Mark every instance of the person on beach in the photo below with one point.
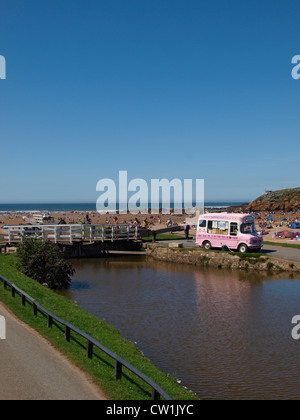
(87, 220)
(187, 231)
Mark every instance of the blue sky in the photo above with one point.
(160, 88)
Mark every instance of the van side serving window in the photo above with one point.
(218, 227)
(202, 223)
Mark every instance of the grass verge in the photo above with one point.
(163, 237)
(241, 255)
(101, 367)
(296, 246)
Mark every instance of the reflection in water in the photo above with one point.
(225, 334)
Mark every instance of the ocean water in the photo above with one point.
(82, 207)
(50, 207)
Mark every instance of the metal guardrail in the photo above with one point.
(157, 391)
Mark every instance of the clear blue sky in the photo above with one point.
(160, 88)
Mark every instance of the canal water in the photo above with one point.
(223, 334)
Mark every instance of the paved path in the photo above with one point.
(290, 254)
(30, 369)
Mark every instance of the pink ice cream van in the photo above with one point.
(236, 231)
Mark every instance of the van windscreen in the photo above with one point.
(248, 228)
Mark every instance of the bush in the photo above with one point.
(45, 263)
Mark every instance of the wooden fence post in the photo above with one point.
(89, 349)
(50, 321)
(118, 370)
(68, 334)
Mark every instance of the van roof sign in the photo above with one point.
(246, 218)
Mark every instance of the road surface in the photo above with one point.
(290, 254)
(30, 369)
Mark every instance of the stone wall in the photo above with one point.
(221, 260)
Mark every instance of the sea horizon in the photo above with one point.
(90, 207)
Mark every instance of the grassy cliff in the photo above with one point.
(285, 200)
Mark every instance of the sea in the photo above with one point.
(85, 207)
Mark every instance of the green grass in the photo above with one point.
(163, 237)
(101, 367)
(246, 255)
(296, 246)
(242, 255)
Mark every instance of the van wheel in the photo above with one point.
(207, 245)
(243, 248)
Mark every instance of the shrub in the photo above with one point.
(45, 263)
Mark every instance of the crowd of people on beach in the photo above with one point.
(141, 220)
(282, 225)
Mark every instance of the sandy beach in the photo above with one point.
(152, 221)
(155, 222)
